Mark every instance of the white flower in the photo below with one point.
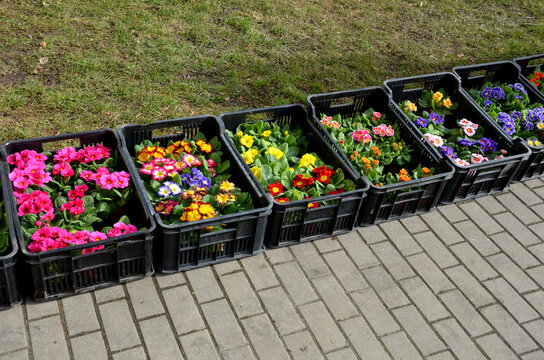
(461, 162)
(469, 130)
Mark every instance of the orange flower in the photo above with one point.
(425, 170)
(403, 172)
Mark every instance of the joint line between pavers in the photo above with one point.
(65, 329)
(101, 324)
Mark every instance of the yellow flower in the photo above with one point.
(540, 126)
(307, 160)
(249, 156)
(221, 199)
(530, 142)
(239, 133)
(276, 152)
(226, 186)
(447, 103)
(206, 209)
(538, 143)
(193, 215)
(257, 172)
(286, 133)
(410, 106)
(291, 169)
(437, 96)
(266, 133)
(247, 140)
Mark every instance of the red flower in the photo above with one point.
(323, 178)
(275, 189)
(282, 200)
(302, 180)
(339, 191)
(312, 205)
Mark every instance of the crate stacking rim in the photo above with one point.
(61, 272)
(474, 180)
(292, 222)
(185, 246)
(393, 201)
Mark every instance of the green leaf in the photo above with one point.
(124, 219)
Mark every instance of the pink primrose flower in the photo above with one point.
(147, 168)
(107, 182)
(191, 160)
(86, 175)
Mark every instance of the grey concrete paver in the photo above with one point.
(264, 339)
(80, 314)
(281, 310)
(89, 347)
(199, 346)
(302, 347)
(12, 330)
(120, 329)
(259, 272)
(47, 338)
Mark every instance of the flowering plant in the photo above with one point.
(375, 147)
(537, 78)
(465, 144)
(188, 181)
(278, 157)
(510, 106)
(71, 197)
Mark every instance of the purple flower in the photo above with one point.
(516, 115)
(504, 118)
(487, 144)
(518, 87)
(487, 104)
(498, 93)
(528, 125)
(465, 142)
(447, 151)
(487, 93)
(437, 119)
(534, 115)
(509, 128)
(421, 122)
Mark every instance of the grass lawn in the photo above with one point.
(70, 65)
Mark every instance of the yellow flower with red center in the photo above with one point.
(275, 189)
(403, 172)
(206, 209)
(405, 178)
(425, 170)
(437, 96)
(226, 186)
(176, 148)
(447, 103)
(150, 152)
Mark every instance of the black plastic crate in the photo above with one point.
(61, 272)
(475, 76)
(294, 222)
(393, 201)
(185, 246)
(476, 179)
(9, 293)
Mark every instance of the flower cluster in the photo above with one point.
(511, 107)
(187, 180)
(374, 146)
(105, 179)
(537, 79)
(465, 143)
(362, 135)
(38, 178)
(53, 237)
(279, 158)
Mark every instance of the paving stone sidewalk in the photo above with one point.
(463, 282)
